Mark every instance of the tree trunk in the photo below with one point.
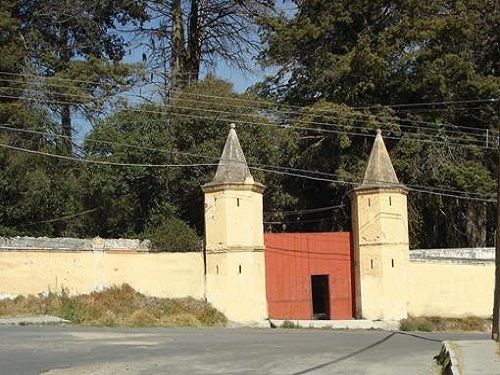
(66, 108)
(475, 224)
(194, 40)
(66, 127)
(177, 63)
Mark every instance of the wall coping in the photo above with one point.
(377, 189)
(458, 255)
(68, 244)
(213, 187)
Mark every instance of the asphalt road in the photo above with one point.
(72, 350)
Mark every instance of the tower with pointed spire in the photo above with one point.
(234, 237)
(381, 244)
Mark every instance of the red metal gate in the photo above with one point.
(291, 260)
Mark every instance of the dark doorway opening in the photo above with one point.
(320, 297)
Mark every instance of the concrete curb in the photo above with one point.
(252, 324)
(449, 360)
(336, 324)
(33, 320)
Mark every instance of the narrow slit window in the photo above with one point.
(239, 268)
(392, 262)
(217, 269)
(390, 201)
(237, 202)
(369, 202)
(371, 263)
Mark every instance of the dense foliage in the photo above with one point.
(366, 53)
(339, 67)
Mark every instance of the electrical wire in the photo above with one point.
(298, 221)
(490, 100)
(103, 162)
(304, 211)
(60, 218)
(254, 166)
(335, 114)
(425, 104)
(301, 128)
(350, 117)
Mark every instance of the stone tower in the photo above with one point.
(235, 266)
(381, 245)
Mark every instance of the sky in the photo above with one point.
(241, 80)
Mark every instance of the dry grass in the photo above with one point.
(117, 306)
(429, 324)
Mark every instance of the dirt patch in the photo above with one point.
(117, 306)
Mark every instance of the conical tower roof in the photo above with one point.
(380, 171)
(232, 168)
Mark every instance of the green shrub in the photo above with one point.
(173, 235)
(289, 324)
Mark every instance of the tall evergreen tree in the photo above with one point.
(365, 53)
(75, 43)
(185, 34)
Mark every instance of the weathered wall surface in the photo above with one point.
(451, 282)
(442, 282)
(233, 219)
(32, 271)
(236, 285)
(235, 280)
(380, 233)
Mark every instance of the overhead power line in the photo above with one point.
(425, 104)
(300, 128)
(325, 176)
(62, 218)
(395, 105)
(267, 103)
(298, 221)
(304, 211)
(422, 125)
(336, 115)
(254, 168)
(104, 162)
(8, 127)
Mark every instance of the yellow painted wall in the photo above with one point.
(451, 289)
(233, 218)
(235, 241)
(155, 274)
(381, 252)
(236, 285)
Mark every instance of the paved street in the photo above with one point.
(70, 350)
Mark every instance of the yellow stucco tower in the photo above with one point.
(381, 245)
(235, 265)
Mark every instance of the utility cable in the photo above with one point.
(304, 211)
(60, 218)
(349, 117)
(255, 166)
(103, 162)
(490, 100)
(301, 128)
(431, 126)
